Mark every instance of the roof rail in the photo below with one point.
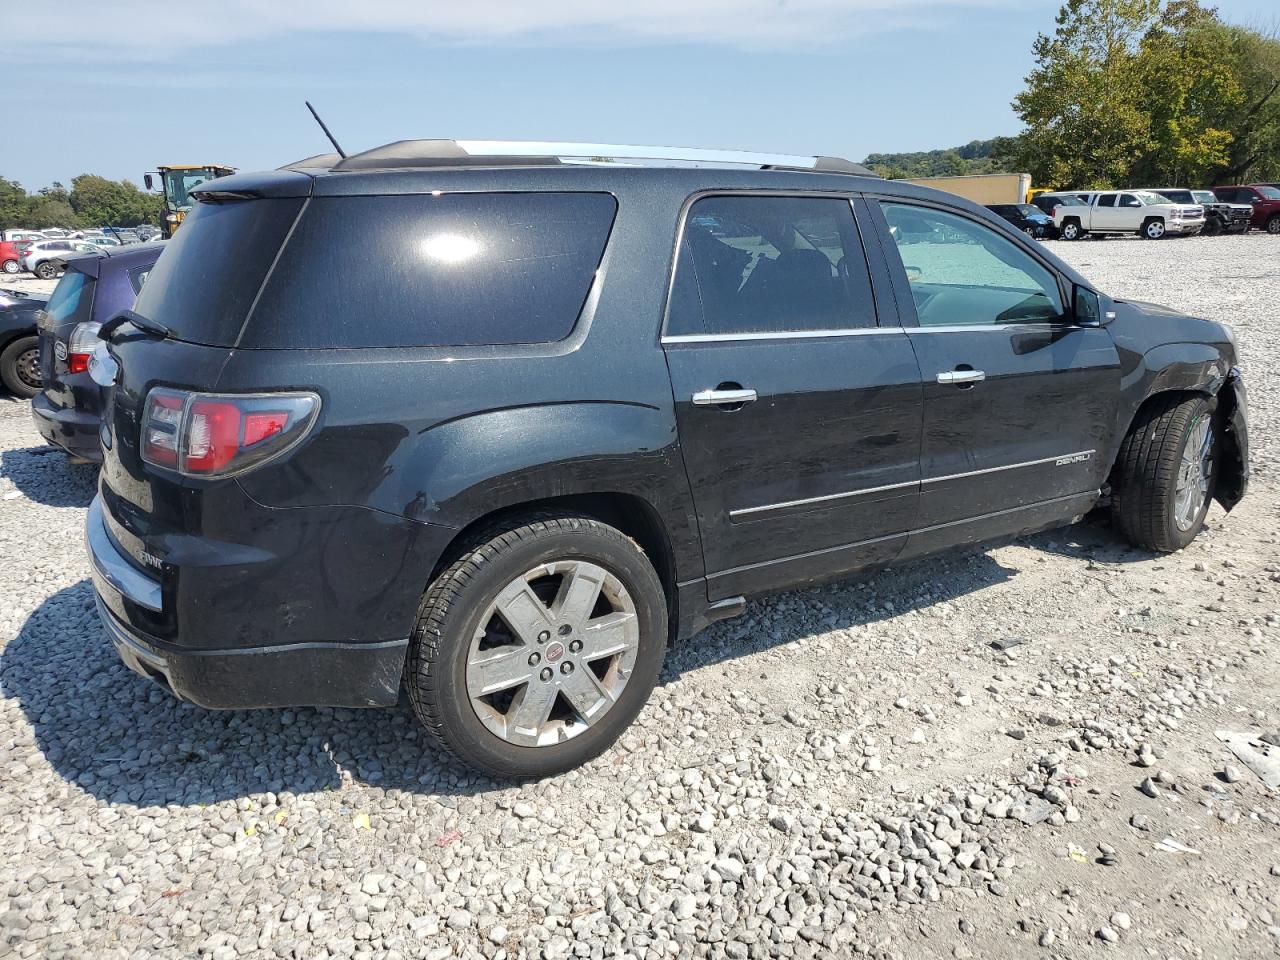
(452, 153)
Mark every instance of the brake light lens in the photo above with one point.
(220, 435)
(84, 337)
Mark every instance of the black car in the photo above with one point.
(554, 416)
(19, 348)
(1027, 217)
(1219, 216)
(68, 410)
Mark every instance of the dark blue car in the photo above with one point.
(1027, 217)
(68, 410)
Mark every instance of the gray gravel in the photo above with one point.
(950, 759)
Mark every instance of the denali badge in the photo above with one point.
(1074, 458)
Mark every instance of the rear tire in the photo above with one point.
(20, 367)
(463, 647)
(1071, 230)
(11, 266)
(1150, 505)
(46, 270)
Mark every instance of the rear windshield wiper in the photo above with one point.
(152, 327)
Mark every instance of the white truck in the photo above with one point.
(1143, 212)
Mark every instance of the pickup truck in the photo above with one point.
(1143, 212)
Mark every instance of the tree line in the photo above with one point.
(92, 201)
(1128, 93)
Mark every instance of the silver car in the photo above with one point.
(44, 258)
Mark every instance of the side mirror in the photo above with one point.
(1086, 308)
(146, 178)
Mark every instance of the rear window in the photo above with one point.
(72, 300)
(203, 286)
(453, 270)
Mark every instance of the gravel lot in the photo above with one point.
(850, 770)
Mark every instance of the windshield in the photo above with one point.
(1028, 210)
(178, 185)
(1204, 196)
(1271, 193)
(1069, 202)
(1150, 199)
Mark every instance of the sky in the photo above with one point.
(116, 87)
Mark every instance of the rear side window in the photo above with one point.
(464, 269)
(203, 286)
(138, 276)
(769, 265)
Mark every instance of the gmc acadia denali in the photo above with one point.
(495, 427)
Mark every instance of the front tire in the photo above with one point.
(20, 367)
(1153, 229)
(537, 646)
(1164, 478)
(1273, 224)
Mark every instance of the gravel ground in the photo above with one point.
(859, 769)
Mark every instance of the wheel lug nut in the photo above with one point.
(546, 674)
(534, 658)
(575, 646)
(566, 668)
(544, 636)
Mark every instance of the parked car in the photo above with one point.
(68, 409)
(606, 405)
(11, 252)
(20, 234)
(1219, 217)
(46, 258)
(1048, 202)
(101, 241)
(1262, 198)
(19, 353)
(1027, 217)
(1147, 214)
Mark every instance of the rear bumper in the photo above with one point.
(284, 675)
(75, 431)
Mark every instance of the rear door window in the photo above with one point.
(72, 300)
(751, 265)
(462, 269)
(1107, 200)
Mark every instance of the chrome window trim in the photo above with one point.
(776, 335)
(827, 498)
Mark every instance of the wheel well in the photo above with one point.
(1158, 398)
(633, 515)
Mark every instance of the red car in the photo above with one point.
(1265, 199)
(11, 254)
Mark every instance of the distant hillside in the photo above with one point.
(976, 156)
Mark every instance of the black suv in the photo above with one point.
(498, 428)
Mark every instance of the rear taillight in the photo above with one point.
(221, 434)
(84, 337)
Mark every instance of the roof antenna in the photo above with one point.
(342, 153)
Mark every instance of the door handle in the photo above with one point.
(962, 376)
(722, 398)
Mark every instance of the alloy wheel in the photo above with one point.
(1194, 472)
(1155, 230)
(552, 653)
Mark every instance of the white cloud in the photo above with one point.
(145, 29)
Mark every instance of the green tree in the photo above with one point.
(99, 201)
(1086, 118)
(1192, 87)
(14, 204)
